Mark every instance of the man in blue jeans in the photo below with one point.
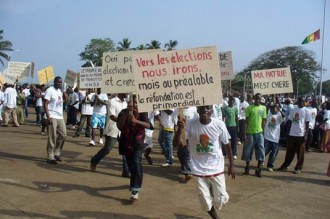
(255, 122)
(167, 121)
(272, 133)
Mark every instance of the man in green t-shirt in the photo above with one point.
(255, 121)
(230, 116)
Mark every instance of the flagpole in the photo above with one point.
(323, 30)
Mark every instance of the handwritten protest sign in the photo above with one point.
(117, 71)
(177, 78)
(91, 77)
(272, 81)
(45, 75)
(70, 77)
(10, 79)
(226, 66)
(19, 70)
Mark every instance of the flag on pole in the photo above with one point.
(312, 37)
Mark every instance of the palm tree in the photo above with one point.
(5, 45)
(124, 45)
(154, 44)
(141, 47)
(171, 45)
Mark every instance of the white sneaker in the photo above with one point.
(134, 196)
(239, 142)
(270, 169)
(101, 141)
(166, 165)
(92, 143)
(235, 157)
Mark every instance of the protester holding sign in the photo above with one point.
(132, 125)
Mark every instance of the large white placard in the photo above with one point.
(17, 71)
(177, 78)
(117, 72)
(272, 81)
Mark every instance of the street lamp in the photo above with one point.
(11, 52)
(298, 87)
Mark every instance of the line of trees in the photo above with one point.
(94, 50)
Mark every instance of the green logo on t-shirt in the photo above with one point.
(205, 145)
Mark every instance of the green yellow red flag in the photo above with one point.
(312, 37)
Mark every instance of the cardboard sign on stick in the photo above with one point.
(177, 78)
(226, 66)
(272, 81)
(45, 75)
(70, 77)
(19, 70)
(90, 77)
(117, 72)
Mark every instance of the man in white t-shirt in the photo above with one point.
(272, 133)
(10, 105)
(148, 136)
(99, 103)
(299, 123)
(26, 92)
(86, 113)
(73, 109)
(115, 105)
(167, 122)
(207, 162)
(53, 107)
(241, 118)
(313, 111)
(2, 99)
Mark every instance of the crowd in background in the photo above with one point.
(260, 123)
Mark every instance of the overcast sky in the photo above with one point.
(54, 32)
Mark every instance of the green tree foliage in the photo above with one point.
(94, 51)
(124, 45)
(5, 46)
(154, 44)
(301, 61)
(141, 47)
(325, 88)
(171, 45)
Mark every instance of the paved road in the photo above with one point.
(31, 188)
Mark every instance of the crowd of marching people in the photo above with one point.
(203, 136)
